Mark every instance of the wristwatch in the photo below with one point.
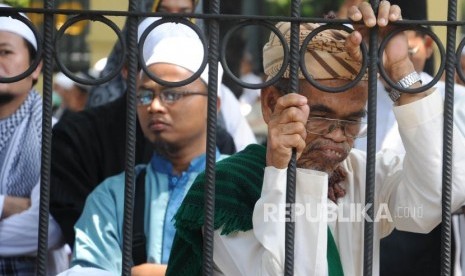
(405, 82)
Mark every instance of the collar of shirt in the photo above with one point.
(162, 165)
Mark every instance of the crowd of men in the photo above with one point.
(88, 158)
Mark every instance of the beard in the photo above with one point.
(6, 98)
(313, 158)
(164, 148)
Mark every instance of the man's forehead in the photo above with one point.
(11, 39)
(177, 3)
(359, 87)
(338, 111)
(10, 34)
(344, 103)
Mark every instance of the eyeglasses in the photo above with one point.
(323, 126)
(168, 97)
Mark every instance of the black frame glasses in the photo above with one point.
(166, 97)
(323, 126)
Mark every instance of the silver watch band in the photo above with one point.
(409, 80)
(405, 82)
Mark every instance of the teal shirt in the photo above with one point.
(99, 232)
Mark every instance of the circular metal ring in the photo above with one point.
(458, 57)
(38, 56)
(424, 87)
(283, 41)
(303, 50)
(105, 21)
(155, 78)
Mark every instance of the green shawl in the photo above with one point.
(239, 180)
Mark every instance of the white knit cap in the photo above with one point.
(63, 81)
(15, 26)
(160, 32)
(176, 44)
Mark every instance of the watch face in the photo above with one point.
(394, 95)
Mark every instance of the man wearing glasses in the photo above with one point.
(174, 120)
(250, 186)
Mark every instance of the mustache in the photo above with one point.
(311, 160)
(324, 143)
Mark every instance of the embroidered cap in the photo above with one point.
(326, 57)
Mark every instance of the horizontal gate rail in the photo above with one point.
(450, 64)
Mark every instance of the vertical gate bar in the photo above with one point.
(47, 59)
(371, 146)
(129, 188)
(213, 81)
(291, 169)
(447, 143)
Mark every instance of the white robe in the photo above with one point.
(406, 190)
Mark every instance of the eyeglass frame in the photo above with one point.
(339, 123)
(162, 96)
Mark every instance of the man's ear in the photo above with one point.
(124, 71)
(269, 96)
(218, 104)
(429, 43)
(36, 73)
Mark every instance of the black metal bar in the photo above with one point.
(371, 147)
(213, 81)
(291, 169)
(46, 153)
(447, 144)
(224, 16)
(129, 188)
(214, 17)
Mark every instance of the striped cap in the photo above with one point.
(325, 58)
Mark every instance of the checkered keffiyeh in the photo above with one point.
(326, 57)
(20, 144)
(17, 266)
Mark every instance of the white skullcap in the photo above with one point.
(160, 32)
(15, 26)
(176, 44)
(63, 81)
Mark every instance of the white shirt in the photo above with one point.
(392, 139)
(236, 124)
(19, 233)
(384, 119)
(393, 142)
(19, 236)
(249, 95)
(412, 184)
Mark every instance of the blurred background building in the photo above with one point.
(87, 44)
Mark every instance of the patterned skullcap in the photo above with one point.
(326, 57)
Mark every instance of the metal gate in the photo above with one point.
(46, 52)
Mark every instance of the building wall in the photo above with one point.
(101, 38)
(437, 10)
